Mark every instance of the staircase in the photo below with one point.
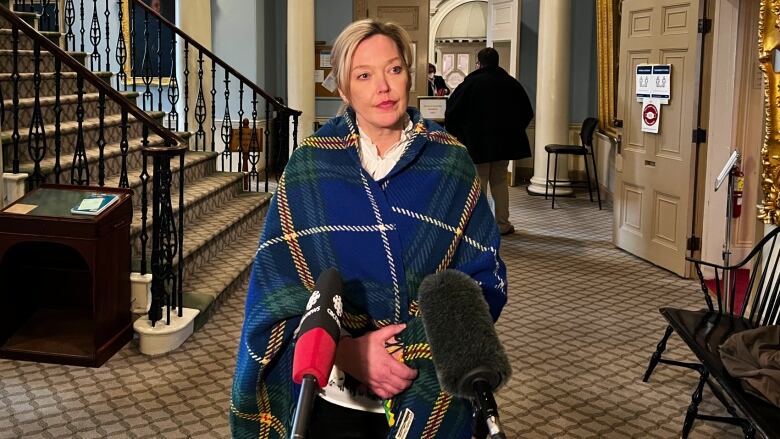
(222, 220)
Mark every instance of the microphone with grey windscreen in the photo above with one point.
(467, 354)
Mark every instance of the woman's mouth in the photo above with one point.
(386, 105)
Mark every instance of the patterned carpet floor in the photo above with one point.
(580, 324)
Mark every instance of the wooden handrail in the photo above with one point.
(217, 59)
(101, 85)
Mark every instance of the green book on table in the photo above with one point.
(94, 204)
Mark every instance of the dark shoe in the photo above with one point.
(508, 231)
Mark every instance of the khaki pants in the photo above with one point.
(494, 174)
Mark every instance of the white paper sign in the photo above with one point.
(644, 83)
(325, 60)
(662, 82)
(319, 75)
(651, 115)
(432, 107)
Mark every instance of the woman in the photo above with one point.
(387, 198)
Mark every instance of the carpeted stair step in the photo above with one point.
(212, 233)
(200, 197)
(30, 18)
(112, 162)
(197, 164)
(112, 133)
(25, 42)
(68, 104)
(225, 270)
(26, 61)
(48, 84)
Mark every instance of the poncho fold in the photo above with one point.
(428, 214)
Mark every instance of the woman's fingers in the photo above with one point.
(372, 364)
(388, 332)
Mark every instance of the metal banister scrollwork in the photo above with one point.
(768, 45)
(167, 233)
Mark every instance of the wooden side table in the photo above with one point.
(65, 278)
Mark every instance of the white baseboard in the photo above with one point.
(163, 338)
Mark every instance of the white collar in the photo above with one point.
(379, 167)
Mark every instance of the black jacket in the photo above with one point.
(438, 82)
(489, 112)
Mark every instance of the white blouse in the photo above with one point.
(378, 167)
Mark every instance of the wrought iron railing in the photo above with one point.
(144, 56)
(143, 52)
(46, 56)
(240, 149)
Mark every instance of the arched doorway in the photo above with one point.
(459, 31)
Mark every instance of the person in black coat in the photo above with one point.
(436, 84)
(489, 112)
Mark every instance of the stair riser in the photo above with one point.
(220, 242)
(112, 167)
(112, 134)
(69, 107)
(238, 284)
(191, 212)
(28, 18)
(26, 62)
(48, 86)
(25, 42)
(192, 172)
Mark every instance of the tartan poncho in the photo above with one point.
(385, 236)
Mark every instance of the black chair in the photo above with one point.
(585, 150)
(753, 301)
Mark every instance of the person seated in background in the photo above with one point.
(387, 198)
(436, 84)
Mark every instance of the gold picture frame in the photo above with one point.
(127, 67)
(607, 43)
(768, 46)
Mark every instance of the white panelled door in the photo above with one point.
(655, 182)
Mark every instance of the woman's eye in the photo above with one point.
(397, 69)
(362, 76)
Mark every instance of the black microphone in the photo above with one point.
(469, 359)
(315, 350)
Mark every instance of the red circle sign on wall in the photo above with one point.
(650, 115)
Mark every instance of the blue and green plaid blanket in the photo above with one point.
(384, 237)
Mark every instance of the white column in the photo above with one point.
(552, 89)
(300, 64)
(194, 18)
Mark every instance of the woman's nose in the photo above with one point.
(382, 84)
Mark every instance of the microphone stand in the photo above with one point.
(486, 406)
(304, 408)
(727, 172)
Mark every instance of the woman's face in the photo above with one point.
(378, 85)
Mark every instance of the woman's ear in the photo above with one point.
(343, 97)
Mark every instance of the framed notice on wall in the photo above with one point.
(322, 68)
(432, 107)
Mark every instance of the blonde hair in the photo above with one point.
(354, 34)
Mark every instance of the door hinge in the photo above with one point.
(699, 135)
(705, 25)
(694, 244)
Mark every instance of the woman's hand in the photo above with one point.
(367, 359)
